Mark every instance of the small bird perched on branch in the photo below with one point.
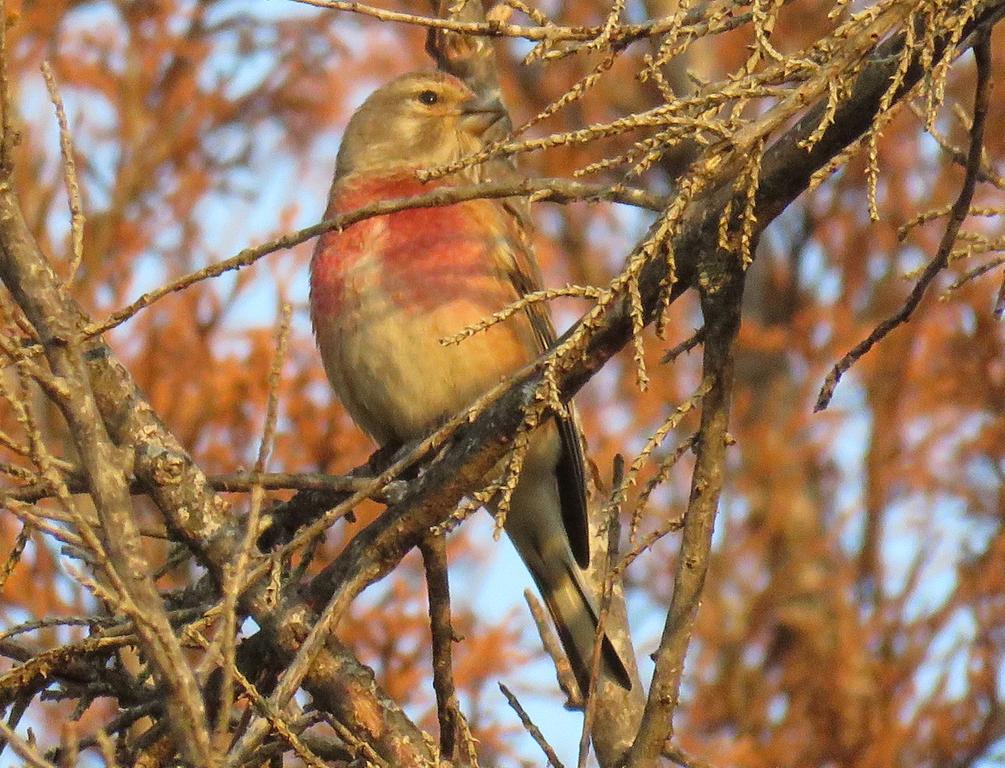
(386, 290)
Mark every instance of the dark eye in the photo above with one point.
(428, 97)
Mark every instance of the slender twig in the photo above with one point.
(961, 207)
(69, 173)
(619, 35)
(22, 748)
(8, 136)
(552, 190)
(976, 272)
(15, 553)
(235, 575)
(683, 759)
(17, 710)
(533, 730)
(235, 482)
(685, 346)
(356, 746)
(488, 29)
(563, 669)
(106, 747)
(987, 174)
(611, 524)
(69, 745)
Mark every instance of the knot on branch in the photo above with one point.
(166, 467)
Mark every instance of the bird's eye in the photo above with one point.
(428, 97)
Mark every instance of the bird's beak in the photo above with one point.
(480, 113)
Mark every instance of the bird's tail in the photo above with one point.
(575, 617)
(539, 530)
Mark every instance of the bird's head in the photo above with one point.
(419, 119)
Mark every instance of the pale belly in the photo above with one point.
(394, 377)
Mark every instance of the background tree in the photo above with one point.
(853, 611)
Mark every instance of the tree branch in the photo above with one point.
(721, 309)
(959, 212)
(551, 190)
(434, 558)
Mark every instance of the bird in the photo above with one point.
(384, 291)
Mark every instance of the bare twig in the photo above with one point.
(563, 669)
(977, 272)
(533, 730)
(15, 554)
(956, 217)
(235, 482)
(488, 29)
(8, 137)
(613, 529)
(69, 172)
(987, 174)
(553, 190)
(684, 759)
(235, 576)
(618, 35)
(23, 749)
(685, 346)
(69, 750)
(17, 710)
(107, 748)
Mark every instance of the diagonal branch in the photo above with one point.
(531, 728)
(553, 190)
(959, 212)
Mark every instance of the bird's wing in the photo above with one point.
(523, 272)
